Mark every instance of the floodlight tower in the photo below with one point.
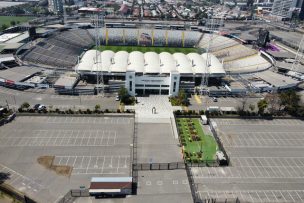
(299, 56)
(205, 76)
(99, 21)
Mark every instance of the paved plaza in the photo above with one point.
(92, 146)
(267, 162)
(164, 109)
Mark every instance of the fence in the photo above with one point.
(159, 166)
(8, 119)
(218, 141)
(15, 194)
(134, 158)
(73, 194)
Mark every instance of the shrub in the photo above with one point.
(20, 110)
(25, 105)
(118, 111)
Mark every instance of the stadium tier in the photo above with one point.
(145, 37)
(60, 50)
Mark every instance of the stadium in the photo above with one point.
(145, 61)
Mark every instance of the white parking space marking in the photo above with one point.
(95, 164)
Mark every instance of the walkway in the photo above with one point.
(164, 109)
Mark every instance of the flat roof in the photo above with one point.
(68, 79)
(111, 179)
(281, 54)
(276, 79)
(288, 66)
(6, 57)
(7, 36)
(18, 73)
(5, 4)
(19, 38)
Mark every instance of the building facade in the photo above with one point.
(284, 8)
(55, 6)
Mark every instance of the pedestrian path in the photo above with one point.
(163, 109)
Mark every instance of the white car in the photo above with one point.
(40, 107)
(117, 98)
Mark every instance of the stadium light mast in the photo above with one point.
(299, 56)
(205, 76)
(99, 19)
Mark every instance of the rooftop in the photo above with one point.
(19, 73)
(150, 62)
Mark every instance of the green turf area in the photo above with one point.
(7, 19)
(147, 49)
(198, 146)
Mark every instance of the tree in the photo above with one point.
(262, 105)
(243, 102)
(290, 101)
(252, 107)
(13, 23)
(4, 27)
(123, 94)
(97, 107)
(25, 105)
(273, 101)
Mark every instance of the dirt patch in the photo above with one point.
(47, 162)
(62, 170)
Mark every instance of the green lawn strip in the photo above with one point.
(7, 19)
(207, 143)
(148, 49)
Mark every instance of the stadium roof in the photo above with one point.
(150, 62)
(19, 73)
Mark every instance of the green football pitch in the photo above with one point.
(7, 19)
(147, 49)
(197, 145)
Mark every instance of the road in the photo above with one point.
(15, 98)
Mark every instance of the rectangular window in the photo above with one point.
(165, 86)
(130, 86)
(138, 85)
(152, 85)
(174, 86)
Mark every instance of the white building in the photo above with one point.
(56, 6)
(150, 73)
(284, 8)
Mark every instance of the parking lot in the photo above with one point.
(92, 146)
(267, 162)
(198, 103)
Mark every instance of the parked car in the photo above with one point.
(214, 99)
(39, 107)
(117, 98)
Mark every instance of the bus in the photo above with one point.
(114, 25)
(194, 28)
(177, 27)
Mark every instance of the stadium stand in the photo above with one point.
(218, 42)
(249, 64)
(134, 37)
(60, 50)
(235, 52)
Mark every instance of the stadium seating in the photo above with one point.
(60, 50)
(254, 63)
(233, 53)
(218, 42)
(129, 37)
